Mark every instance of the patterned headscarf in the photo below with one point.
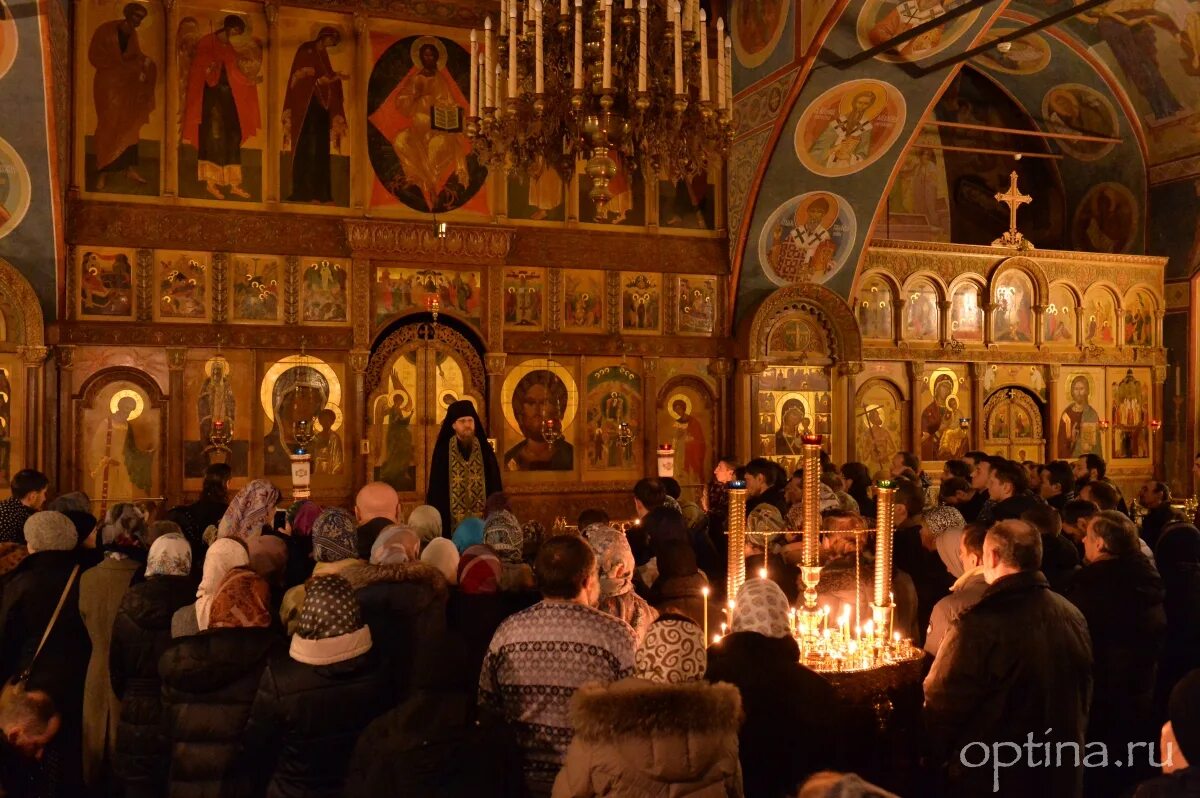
(335, 536)
(502, 532)
(426, 520)
(223, 556)
(441, 554)
(390, 548)
(468, 534)
(672, 652)
(331, 628)
(479, 571)
(761, 607)
(242, 602)
(170, 555)
(302, 515)
(612, 549)
(940, 520)
(250, 510)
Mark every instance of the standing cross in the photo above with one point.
(1014, 199)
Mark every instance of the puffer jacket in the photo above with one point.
(641, 739)
(141, 633)
(209, 683)
(307, 718)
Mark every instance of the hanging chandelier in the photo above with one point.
(618, 88)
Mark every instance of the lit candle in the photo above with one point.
(729, 74)
(696, 17)
(687, 14)
(513, 22)
(704, 592)
(642, 48)
(489, 88)
(577, 76)
(474, 73)
(503, 14)
(628, 4)
(538, 60)
(703, 56)
(678, 47)
(607, 74)
(720, 63)
(563, 9)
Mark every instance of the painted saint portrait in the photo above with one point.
(696, 304)
(121, 438)
(541, 409)
(15, 189)
(686, 421)
(1099, 318)
(393, 417)
(8, 39)
(401, 290)
(257, 288)
(881, 21)
(795, 421)
(641, 302)
(583, 301)
(1106, 219)
(314, 125)
(878, 427)
(1079, 424)
(1131, 416)
(1139, 319)
(849, 127)
(756, 27)
(921, 314)
(966, 313)
(687, 204)
(1074, 109)
(324, 292)
(124, 91)
(7, 442)
(217, 417)
(918, 205)
(524, 298)
(220, 109)
(942, 436)
(106, 284)
(875, 309)
(614, 409)
(182, 285)
(302, 393)
(1027, 55)
(1012, 314)
(807, 239)
(418, 146)
(1059, 317)
(538, 194)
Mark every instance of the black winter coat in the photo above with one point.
(141, 633)
(306, 720)
(1180, 784)
(1015, 506)
(789, 709)
(209, 683)
(1060, 561)
(1018, 661)
(928, 572)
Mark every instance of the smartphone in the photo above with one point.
(280, 520)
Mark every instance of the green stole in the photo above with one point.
(468, 483)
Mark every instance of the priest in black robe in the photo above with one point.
(463, 471)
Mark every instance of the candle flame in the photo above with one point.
(704, 591)
(762, 573)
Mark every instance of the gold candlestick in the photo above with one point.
(885, 524)
(737, 539)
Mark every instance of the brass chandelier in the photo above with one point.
(615, 87)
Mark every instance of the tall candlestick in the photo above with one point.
(474, 74)
(720, 63)
(678, 40)
(489, 86)
(642, 18)
(884, 530)
(729, 74)
(736, 572)
(703, 57)
(538, 60)
(577, 72)
(607, 73)
(811, 451)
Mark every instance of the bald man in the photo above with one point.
(376, 506)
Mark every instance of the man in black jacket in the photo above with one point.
(1008, 487)
(1092, 468)
(1156, 498)
(995, 682)
(1121, 595)
(1058, 484)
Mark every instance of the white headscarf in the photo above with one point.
(426, 521)
(442, 554)
(761, 607)
(224, 555)
(170, 555)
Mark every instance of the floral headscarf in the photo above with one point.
(335, 537)
(250, 510)
(502, 532)
(426, 521)
(223, 556)
(170, 555)
(672, 652)
(479, 571)
(612, 549)
(391, 548)
(761, 607)
(242, 602)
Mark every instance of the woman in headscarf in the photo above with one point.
(662, 732)
(141, 633)
(469, 533)
(210, 680)
(791, 712)
(427, 522)
(101, 589)
(966, 591)
(300, 519)
(771, 551)
(397, 543)
(313, 703)
(680, 585)
(614, 559)
(251, 510)
(441, 554)
(335, 548)
(223, 556)
(502, 531)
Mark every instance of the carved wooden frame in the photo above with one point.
(831, 311)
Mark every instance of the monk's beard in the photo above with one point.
(464, 442)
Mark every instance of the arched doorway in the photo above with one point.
(416, 371)
(1013, 425)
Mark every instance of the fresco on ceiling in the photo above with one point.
(882, 20)
(918, 206)
(756, 27)
(849, 127)
(1106, 219)
(1026, 56)
(807, 239)
(15, 189)
(8, 39)
(1169, 203)
(416, 107)
(1074, 109)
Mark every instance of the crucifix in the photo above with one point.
(1014, 199)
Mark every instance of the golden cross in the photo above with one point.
(1014, 199)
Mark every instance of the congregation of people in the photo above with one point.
(242, 645)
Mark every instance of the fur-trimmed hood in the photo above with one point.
(636, 707)
(360, 576)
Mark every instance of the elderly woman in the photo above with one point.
(427, 522)
(662, 732)
(789, 709)
(223, 556)
(614, 558)
(335, 548)
(251, 509)
(502, 531)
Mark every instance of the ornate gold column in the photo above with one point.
(1157, 448)
(746, 411)
(493, 363)
(649, 413)
(944, 331)
(169, 157)
(978, 372)
(1054, 372)
(64, 356)
(898, 319)
(988, 308)
(1079, 326)
(720, 368)
(356, 421)
(1039, 325)
(270, 167)
(916, 374)
(845, 378)
(35, 361)
(360, 165)
(176, 360)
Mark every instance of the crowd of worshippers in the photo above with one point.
(239, 646)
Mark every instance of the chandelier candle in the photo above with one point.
(512, 52)
(539, 59)
(474, 74)
(489, 88)
(729, 75)
(720, 64)
(607, 73)
(703, 56)
(678, 44)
